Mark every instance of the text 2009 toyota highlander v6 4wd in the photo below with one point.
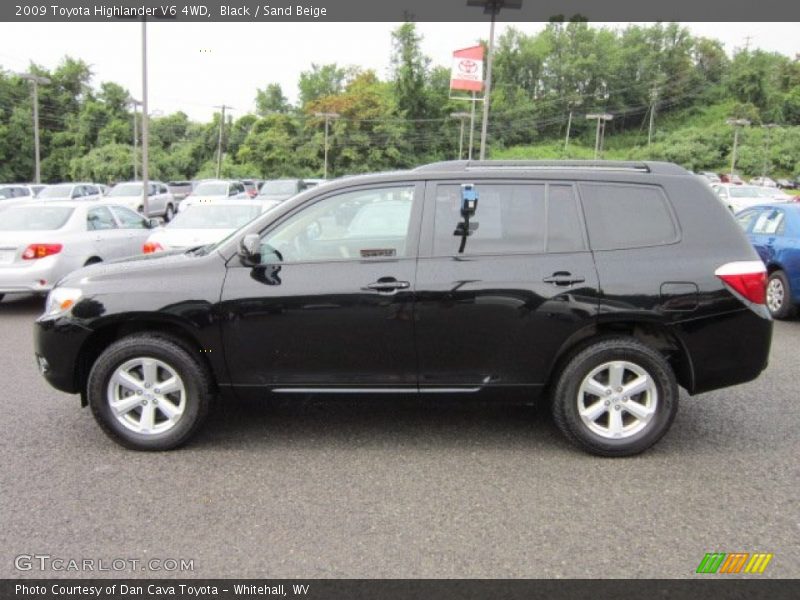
(601, 287)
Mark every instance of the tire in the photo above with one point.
(164, 358)
(615, 430)
(779, 296)
(169, 213)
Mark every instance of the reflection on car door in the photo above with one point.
(329, 308)
(497, 313)
(768, 226)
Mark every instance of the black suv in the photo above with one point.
(598, 286)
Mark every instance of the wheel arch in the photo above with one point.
(653, 334)
(111, 331)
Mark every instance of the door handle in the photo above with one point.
(388, 285)
(563, 278)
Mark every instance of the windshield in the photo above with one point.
(279, 187)
(34, 218)
(214, 216)
(126, 189)
(211, 189)
(56, 191)
(744, 191)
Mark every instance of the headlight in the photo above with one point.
(61, 300)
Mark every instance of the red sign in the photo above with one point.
(466, 72)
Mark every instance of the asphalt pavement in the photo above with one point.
(379, 487)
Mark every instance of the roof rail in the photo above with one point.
(600, 165)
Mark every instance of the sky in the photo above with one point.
(194, 66)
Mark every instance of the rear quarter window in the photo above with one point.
(620, 216)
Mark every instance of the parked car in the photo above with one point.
(731, 178)
(103, 188)
(711, 177)
(598, 288)
(22, 191)
(787, 184)
(312, 182)
(774, 231)
(281, 189)
(41, 242)
(70, 191)
(214, 190)
(160, 202)
(203, 224)
(739, 197)
(252, 186)
(180, 189)
(763, 181)
(775, 194)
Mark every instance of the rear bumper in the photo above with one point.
(39, 276)
(726, 349)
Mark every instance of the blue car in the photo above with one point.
(774, 231)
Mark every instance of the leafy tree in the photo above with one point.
(271, 100)
(320, 81)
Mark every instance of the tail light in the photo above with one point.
(150, 247)
(747, 278)
(35, 251)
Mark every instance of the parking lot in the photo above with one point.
(405, 489)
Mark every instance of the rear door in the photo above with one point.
(109, 241)
(496, 314)
(767, 228)
(135, 227)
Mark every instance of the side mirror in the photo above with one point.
(153, 223)
(250, 250)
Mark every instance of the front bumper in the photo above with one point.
(57, 344)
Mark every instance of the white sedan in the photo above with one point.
(41, 242)
(203, 224)
(215, 190)
(739, 197)
(160, 201)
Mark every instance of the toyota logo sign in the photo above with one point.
(468, 66)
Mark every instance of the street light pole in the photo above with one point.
(328, 116)
(36, 79)
(460, 116)
(145, 127)
(736, 124)
(492, 7)
(219, 139)
(135, 103)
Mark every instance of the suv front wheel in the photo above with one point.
(617, 397)
(149, 392)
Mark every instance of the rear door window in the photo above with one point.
(511, 218)
(770, 222)
(620, 216)
(100, 218)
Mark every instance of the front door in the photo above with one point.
(330, 306)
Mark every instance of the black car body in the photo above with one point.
(369, 285)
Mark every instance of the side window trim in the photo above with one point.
(415, 220)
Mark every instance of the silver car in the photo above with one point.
(160, 201)
(41, 242)
(204, 224)
(70, 191)
(214, 190)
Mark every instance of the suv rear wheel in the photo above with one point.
(616, 397)
(169, 214)
(149, 392)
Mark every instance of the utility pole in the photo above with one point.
(492, 7)
(460, 116)
(598, 138)
(145, 128)
(766, 127)
(37, 80)
(134, 102)
(653, 99)
(571, 105)
(328, 116)
(219, 140)
(737, 123)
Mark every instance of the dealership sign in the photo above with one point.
(467, 70)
